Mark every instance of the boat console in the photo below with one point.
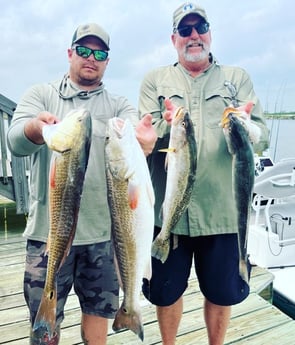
(271, 239)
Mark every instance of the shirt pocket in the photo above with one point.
(216, 100)
(175, 94)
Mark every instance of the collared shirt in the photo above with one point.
(59, 97)
(212, 208)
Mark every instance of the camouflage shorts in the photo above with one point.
(88, 268)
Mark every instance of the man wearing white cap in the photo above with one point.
(89, 267)
(207, 231)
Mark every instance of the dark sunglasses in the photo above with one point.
(85, 52)
(201, 28)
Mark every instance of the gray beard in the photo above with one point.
(195, 58)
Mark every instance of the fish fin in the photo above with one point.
(130, 320)
(243, 270)
(47, 249)
(52, 174)
(44, 324)
(160, 248)
(169, 149)
(133, 195)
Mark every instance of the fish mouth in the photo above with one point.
(228, 114)
(178, 116)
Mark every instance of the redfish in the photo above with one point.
(131, 201)
(70, 139)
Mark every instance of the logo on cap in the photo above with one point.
(188, 7)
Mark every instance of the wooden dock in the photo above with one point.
(255, 321)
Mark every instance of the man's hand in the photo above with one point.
(170, 110)
(33, 128)
(146, 134)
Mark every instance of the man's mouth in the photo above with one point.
(194, 44)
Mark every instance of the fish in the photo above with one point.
(239, 134)
(131, 203)
(181, 161)
(70, 140)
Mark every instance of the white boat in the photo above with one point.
(271, 239)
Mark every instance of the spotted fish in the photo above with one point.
(181, 163)
(240, 133)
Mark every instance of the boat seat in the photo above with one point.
(278, 181)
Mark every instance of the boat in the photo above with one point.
(271, 238)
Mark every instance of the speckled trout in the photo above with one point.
(181, 161)
(240, 133)
(131, 202)
(70, 142)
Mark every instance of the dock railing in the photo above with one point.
(13, 170)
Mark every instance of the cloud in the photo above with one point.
(258, 36)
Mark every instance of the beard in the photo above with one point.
(193, 57)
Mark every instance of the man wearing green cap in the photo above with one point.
(207, 231)
(89, 267)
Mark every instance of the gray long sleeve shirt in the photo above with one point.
(59, 97)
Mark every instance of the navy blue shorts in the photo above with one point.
(216, 260)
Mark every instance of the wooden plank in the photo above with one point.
(279, 335)
(255, 321)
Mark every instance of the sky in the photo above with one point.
(257, 35)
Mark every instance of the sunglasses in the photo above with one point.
(85, 52)
(201, 28)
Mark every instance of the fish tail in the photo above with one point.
(160, 248)
(44, 325)
(132, 321)
(243, 269)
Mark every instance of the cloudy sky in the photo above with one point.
(258, 35)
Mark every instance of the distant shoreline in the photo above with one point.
(280, 116)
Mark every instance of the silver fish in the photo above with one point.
(181, 162)
(234, 123)
(131, 201)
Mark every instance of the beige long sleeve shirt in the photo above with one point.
(212, 208)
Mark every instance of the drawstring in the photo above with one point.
(82, 94)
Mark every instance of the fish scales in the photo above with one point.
(131, 201)
(243, 172)
(181, 163)
(70, 140)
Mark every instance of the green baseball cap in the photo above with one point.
(186, 9)
(91, 29)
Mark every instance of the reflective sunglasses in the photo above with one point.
(201, 28)
(85, 52)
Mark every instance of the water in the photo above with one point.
(282, 139)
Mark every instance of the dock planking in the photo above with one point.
(255, 321)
